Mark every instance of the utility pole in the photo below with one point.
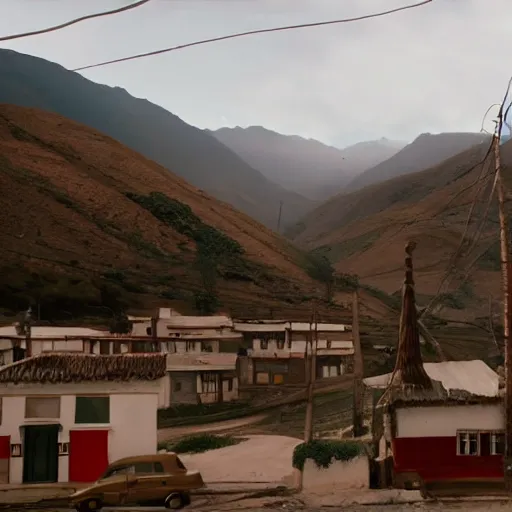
(308, 427)
(507, 320)
(357, 423)
(279, 216)
(28, 332)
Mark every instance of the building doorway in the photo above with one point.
(41, 454)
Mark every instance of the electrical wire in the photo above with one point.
(254, 32)
(75, 21)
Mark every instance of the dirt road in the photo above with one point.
(165, 434)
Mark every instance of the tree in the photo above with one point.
(320, 268)
(120, 324)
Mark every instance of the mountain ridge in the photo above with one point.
(147, 128)
(306, 166)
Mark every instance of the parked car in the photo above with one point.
(151, 480)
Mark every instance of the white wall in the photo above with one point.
(353, 474)
(133, 418)
(445, 421)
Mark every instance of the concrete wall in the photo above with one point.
(354, 474)
(133, 418)
(445, 421)
(183, 387)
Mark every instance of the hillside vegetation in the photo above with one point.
(150, 130)
(364, 232)
(88, 223)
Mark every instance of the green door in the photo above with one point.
(41, 454)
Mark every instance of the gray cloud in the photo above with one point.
(436, 68)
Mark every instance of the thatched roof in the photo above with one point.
(409, 370)
(66, 368)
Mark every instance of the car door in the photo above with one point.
(149, 484)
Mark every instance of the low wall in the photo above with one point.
(353, 474)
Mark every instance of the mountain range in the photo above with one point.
(150, 130)
(110, 199)
(305, 166)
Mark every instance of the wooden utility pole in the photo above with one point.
(357, 423)
(507, 320)
(308, 427)
(279, 216)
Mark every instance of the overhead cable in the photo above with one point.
(75, 21)
(254, 32)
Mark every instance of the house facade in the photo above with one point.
(202, 378)
(15, 347)
(451, 435)
(275, 352)
(65, 417)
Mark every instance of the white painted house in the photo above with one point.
(65, 417)
(13, 346)
(453, 433)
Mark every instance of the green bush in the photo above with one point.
(323, 452)
(202, 443)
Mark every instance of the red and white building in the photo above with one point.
(450, 435)
(64, 417)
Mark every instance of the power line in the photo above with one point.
(75, 21)
(253, 32)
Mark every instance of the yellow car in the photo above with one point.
(151, 480)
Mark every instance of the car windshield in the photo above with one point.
(117, 470)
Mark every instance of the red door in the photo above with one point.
(88, 455)
(5, 453)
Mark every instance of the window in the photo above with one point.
(480, 443)
(497, 443)
(206, 347)
(42, 407)
(118, 470)
(190, 346)
(280, 344)
(148, 331)
(158, 467)
(92, 409)
(263, 344)
(116, 347)
(179, 463)
(143, 467)
(328, 344)
(104, 347)
(229, 383)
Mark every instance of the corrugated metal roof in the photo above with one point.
(51, 331)
(475, 377)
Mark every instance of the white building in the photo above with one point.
(65, 417)
(454, 433)
(13, 346)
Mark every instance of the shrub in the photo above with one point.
(323, 452)
(202, 443)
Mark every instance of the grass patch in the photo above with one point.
(203, 443)
(325, 452)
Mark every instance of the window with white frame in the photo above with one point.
(480, 443)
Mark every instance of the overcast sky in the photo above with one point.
(432, 69)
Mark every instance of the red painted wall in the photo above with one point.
(435, 458)
(5, 447)
(88, 455)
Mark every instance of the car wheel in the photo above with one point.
(175, 501)
(90, 505)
